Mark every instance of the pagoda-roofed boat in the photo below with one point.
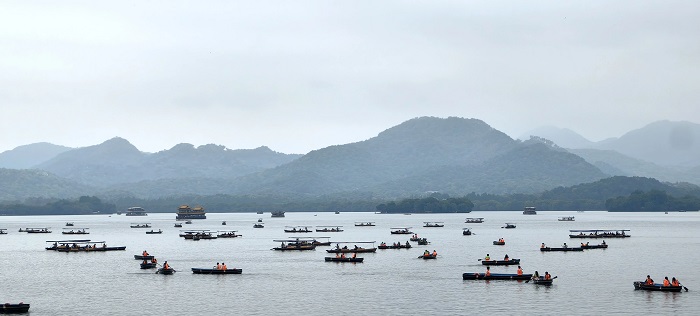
(3, 231)
(329, 229)
(36, 230)
(83, 246)
(343, 259)
(140, 225)
(639, 285)
(396, 245)
(297, 229)
(530, 210)
(509, 225)
(198, 234)
(75, 231)
(216, 271)
(500, 262)
(151, 232)
(566, 219)
(136, 211)
(148, 265)
(8, 308)
(354, 248)
(466, 231)
(433, 224)
(474, 220)
(298, 244)
(401, 230)
(495, 276)
(599, 233)
(184, 212)
(228, 234)
(363, 224)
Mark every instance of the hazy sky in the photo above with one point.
(302, 75)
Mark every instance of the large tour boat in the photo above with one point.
(136, 211)
(530, 210)
(185, 212)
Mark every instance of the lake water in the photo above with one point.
(389, 282)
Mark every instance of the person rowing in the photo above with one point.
(166, 266)
(434, 253)
(223, 266)
(487, 258)
(542, 246)
(536, 276)
(218, 266)
(506, 258)
(145, 253)
(674, 282)
(667, 282)
(488, 271)
(520, 270)
(649, 281)
(547, 276)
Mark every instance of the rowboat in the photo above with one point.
(334, 259)
(474, 220)
(148, 265)
(500, 262)
(600, 246)
(495, 276)
(215, 271)
(228, 234)
(154, 232)
(561, 249)
(297, 229)
(426, 257)
(542, 281)
(8, 308)
(423, 241)
(466, 232)
(75, 231)
(433, 224)
(140, 257)
(599, 233)
(165, 271)
(355, 249)
(499, 243)
(137, 225)
(295, 244)
(395, 246)
(401, 230)
(656, 287)
(364, 224)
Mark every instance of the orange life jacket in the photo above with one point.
(520, 271)
(666, 283)
(223, 267)
(675, 283)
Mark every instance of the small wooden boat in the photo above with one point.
(567, 219)
(165, 271)
(350, 250)
(599, 246)
(178, 225)
(433, 224)
(3, 231)
(500, 262)
(260, 220)
(145, 225)
(140, 257)
(499, 243)
(258, 225)
(70, 224)
(656, 287)
(297, 229)
(75, 231)
(509, 226)
(42, 230)
(426, 257)
(295, 247)
(423, 241)
(495, 276)
(466, 232)
(542, 281)
(215, 271)
(227, 234)
(599, 233)
(474, 220)
(329, 229)
(223, 223)
(401, 230)
(561, 249)
(395, 246)
(154, 232)
(8, 308)
(364, 224)
(148, 265)
(348, 259)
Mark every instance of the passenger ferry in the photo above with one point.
(185, 212)
(529, 210)
(136, 211)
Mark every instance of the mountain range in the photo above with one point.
(450, 155)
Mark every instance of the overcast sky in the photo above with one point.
(301, 75)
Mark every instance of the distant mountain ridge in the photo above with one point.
(28, 156)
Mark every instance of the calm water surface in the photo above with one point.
(389, 282)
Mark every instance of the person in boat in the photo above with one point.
(603, 242)
(154, 260)
(355, 247)
(144, 261)
(166, 266)
(223, 266)
(506, 258)
(520, 270)
(649, 281)
(218, 266)
(383, 244)
(674, 282)
(434, 253)
(542, 245)
(536, 276)
(345, 247)
(565, 246)
(547, 276)
(337, 254)
(582, 245)
(342, 255)
(667, 282)
(407, 244)
(501, 239)
(488, 271)
(426, 253)
(354, 255)
(282, 246)
(488, 257)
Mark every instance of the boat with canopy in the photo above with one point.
(75, 231)
(433, 224)
(355, 248)
(599, 233)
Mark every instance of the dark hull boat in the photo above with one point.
(8, 308)
(500, 262)
(656, 287)
(165, 271)
(499, 243)
(594, 246)
(148, 265)
(561, 249)
(427, 257)
(349, 250)
(542, 281)
(401, 232)
(215, 271)
(303, 247)
(467, 233)
(140, 257)
(333, 259)
(81, 249)
(495, 276)
(154, 232)
(395, 247)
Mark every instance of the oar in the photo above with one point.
(685, 288)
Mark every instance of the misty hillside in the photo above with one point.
(563, 137)
(17, 185)
(28, 156)
(116, 161)
(619, 186)
(454, 154)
